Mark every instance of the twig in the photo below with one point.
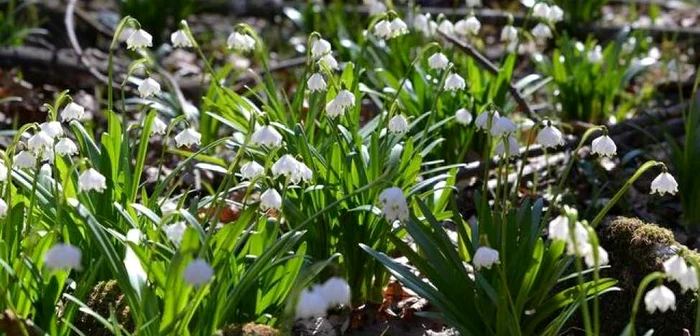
(485, 63)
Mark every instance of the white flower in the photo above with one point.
(148, 87)
(52, 128)
(424, 24)
(137, 275)
(541, 10)
(24, 159)
(660, 298)
(470, 26)
(72, 111)
(596, 55)
(91, 179)
(513, 147)
(175, 232)
(188, 137)
(454, 82)
(603, 260)
(382, 29)
(3, 208)
(398, 124)
(541, 31)
(63, 257)
(550, 136)
(335, 291)
(485, 257)
(527, 3)
(311, 304)
(603, 146)
(334, 109)
(394, 204)
(179, 39)
(559, 228)
(689, 280)
(303, 174)
(556, 14)
(375, 7)
(139, 39)
(482, 120)
(629, 45)
(240, 42)
(509, 34)
(438, 61)
(398, 27)
(664, 183)
(320, 47)
(40, 142)
(198, 272)
(501, 126)
(286, 165)
(267, 136)
(675, 268)
(251, 170)
(329, 61)
(346, 99)
(271, 199)
(3, 171)
(316, 83)
(158, 126)
(446, 27)
(578, 242)
(66, 146)
(463, 116)
(473, 3)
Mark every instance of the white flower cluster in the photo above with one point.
(577, 239)
(337, 106)
(292, 169)
(661, 298)
(386, 30)
(501, 128)
(316, 301)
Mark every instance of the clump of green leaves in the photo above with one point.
(158, 17)
(18, 19)
(578, 12)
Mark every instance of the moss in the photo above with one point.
(250, 329)
(102, 299)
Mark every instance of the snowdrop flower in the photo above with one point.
(629, 45)
(454, 82)
(286, 165)
(398, 27)
(316, 83)
(603, 260)
(382, 29)
(596, 55)
(675, 268)
(3, 208)
(267, 136)
(137, 275)
(188, 137)
(66, 146)
(470, 26)
(311, 304)
(52, 128)
(513, 147)
(463, 116)
(320, 47)
(603, 146)
(438, 61)
(556, 14)
(251, 170)
(3, 171)
(446, 27)
(271, 199)
(91, 179)
(303, 173)
(335, 291)
(63, 257)
(139, 39)
(334, 109)
(509, 34)
(24, 159)
(578, 242)
(179, 39)
(473, 3)
(345, 99)
(175, 232)
(198, 272)
(689, 280)
(660, 298)
(482, 120)
(148, 87)
(485, 257)
(72, 111)
(375, 7)
(550, 136)
(664, 183)
(502, 126)
(542, 32)
(398, 124)
(394, 204)
(240, 42)
(40, 142)
(329, 61)
(559, 228)
(424, 24)
(158, 126)
(541, 10)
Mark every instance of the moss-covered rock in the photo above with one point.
(102, 299)
(250, 329)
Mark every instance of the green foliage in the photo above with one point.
(581, 11)
(158, 17)
(18, 19)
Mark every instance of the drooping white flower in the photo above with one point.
(394, 205)
(603, 146)
(52, 128)
(424, 24)
(72, 111)
(40, 142)
(542, 32)
(335, 291)
(175, 232)
(603, 260)
(398, 27)
(198, 272)
(139, 39)
(158, 126)
(328, 61)
(382, 29)
(463, 116)
(398, 124)
(454, 82)
(66, 146)
(251, 170)
(311, 304)
(596, 55)
(240, 42)
(689, 280)
(512, 149)
(271, 199)
(446, 27)
(509, 34)
(578, 241)
(550, 136)
(91, 179)
(303, 173)
(24, 159)
(320, 47)
(482, 120)
(470, 26)
(316, 83)
(541, 10)
(3, 208)
(438, 61)
(267, 136)
(287, 165)
(675, 267)
(664, 183)
(179, 39)
(556, 14)
(559, 228)
(132, 263)
(375, 7)
(148, 87)
(334, 109)
(660, 298)
(485, 257)
(63, 257)
(3, 171)
(345, 99)
(188, 137)
(502, 126)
